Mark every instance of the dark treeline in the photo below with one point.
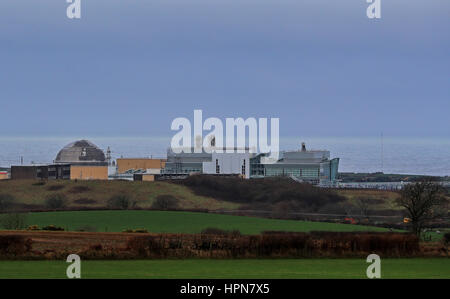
(266, 193)
(231, 245)
(275, 245)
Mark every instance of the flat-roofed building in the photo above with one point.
(152, 166)
(52, 172)
(4, 175)
(214, 163)
(313, 166)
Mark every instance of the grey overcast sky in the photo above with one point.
(129, 67)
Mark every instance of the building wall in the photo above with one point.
(59, 171)
(143, 177)
(29, 172)
(153, 171)
(124, 164)
(185, 162)
(78, 172)
(182, 167)
(228, 163)
(299, 171)
(148, 177)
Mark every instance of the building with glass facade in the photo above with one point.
(312, 166)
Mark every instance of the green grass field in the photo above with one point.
(179, 222)
(235, 269)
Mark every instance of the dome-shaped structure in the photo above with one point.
(81, 151)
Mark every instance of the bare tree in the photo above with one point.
(420, 200)
(348, 208)
(363, 205)
(14, 221)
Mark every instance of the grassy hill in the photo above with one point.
(31, 194)
(179, 222)
(379, 199)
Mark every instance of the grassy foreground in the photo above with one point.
(234, 269)
(179, 222)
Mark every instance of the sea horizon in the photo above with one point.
(394, 155)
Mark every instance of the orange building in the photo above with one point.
(124, 164)
(85, 172)
(4, 175)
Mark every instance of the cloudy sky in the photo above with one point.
(129, 67)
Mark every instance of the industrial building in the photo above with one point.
(4, 173)
(207, 163)
(44, 171)
(312, 166)
(81, 160)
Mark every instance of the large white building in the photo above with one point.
(313, 166)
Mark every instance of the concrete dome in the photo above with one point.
(81, 151)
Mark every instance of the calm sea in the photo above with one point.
(392, 155)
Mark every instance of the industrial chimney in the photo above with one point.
(303, 147)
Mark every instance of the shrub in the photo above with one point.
(85, 201)
(6, 201)
(33, 227)
(121, 201)
(446, 239)
(40, 183)
(55, 187)
(55, 201)
(144, 245)
(138, 230)
(86, 228)
(165, 202)
(220, 232)
(96, 247)
(13, 221)
(79, 189)
(14, 244)
(52, 227)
